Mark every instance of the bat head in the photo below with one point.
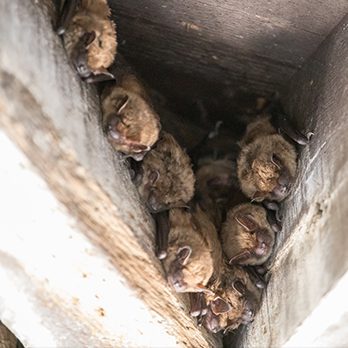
(233, 304)
(131, 125)
(176, 276)
(266, 168)
(272, 179)
(253, 225)
(214, 178)
(168, 179)
(80, 55)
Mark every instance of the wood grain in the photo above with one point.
(55, 120)
(310, 253)
(253, 45)
(7, 339)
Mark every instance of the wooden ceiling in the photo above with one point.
(197, 47)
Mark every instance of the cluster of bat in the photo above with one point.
(216, 214)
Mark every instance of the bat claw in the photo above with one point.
(309, 135)
(161, 254)
(162, 231)
(68, 11)
(60, 30)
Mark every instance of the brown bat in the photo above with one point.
(131, 124)
(194, 251)
(266, 165)
(214, 182)
(167, 177)
(246, 235)
(89, 37)
(234, 300)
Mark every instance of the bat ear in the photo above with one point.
(239, 287)
(258, 196)
(122, 103)
(219, 306)
(247, 222)
(154, 176)
(140, 148)
(276, 161)
(89, 38)
(184, 254)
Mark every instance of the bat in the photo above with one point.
(130, 122)
(198, 305)
(247, 237)
(214, 182)
(167, 176)
(234, 300)
(282, 123)
(89, 38)
(194, 251)
(266, 165)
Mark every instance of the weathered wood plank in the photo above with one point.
(256, 45)
(311, 250)
(7, 339)
(55, 120)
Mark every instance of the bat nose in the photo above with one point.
(212, 322)
(154, 205)
(111, 128)
(248, 313)
(263, 242)
(177, 282)
(82, 68)
(280, 191)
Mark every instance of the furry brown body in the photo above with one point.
(234, 300)
(267, 162)
(91, 56)
(129, 120)
(194, 253)
(167, 177)
(214, 183)
(247, 237)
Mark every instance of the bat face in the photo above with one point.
(193, 251)
(214, 181)
(168, 179)
(234, 302)
(89, 38)
(214, 178)
(266, 168)
(131, 125)
(247, 237)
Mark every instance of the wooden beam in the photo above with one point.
(326, 326)
(310, 255)
(252, 45)
(97, 283)
(7, 339)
